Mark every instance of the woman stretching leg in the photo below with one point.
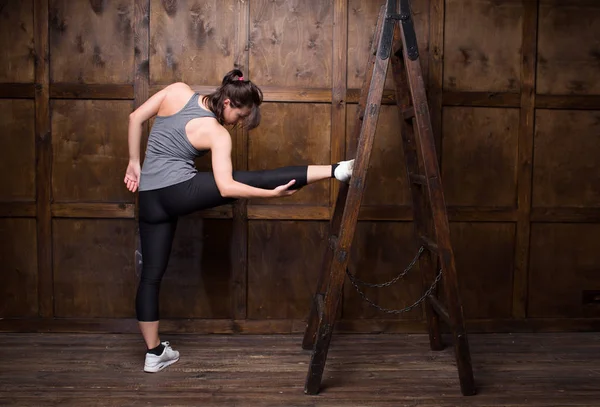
(188, 125)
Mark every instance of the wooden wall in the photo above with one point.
(514, 92)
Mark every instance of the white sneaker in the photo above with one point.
(157, 363)
(343, 172)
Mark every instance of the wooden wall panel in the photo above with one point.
(569, 47)
(91, 41)
(484, 263)
(18, 251)
(17, 58)
(90, 152)
(191, 41)
(362, 19)
(17, 144)
(381, 251)
(566, 170)
(196, 283)
(479, 156)
(564, 262)
(94, 270)
(386, 179)
(482, 43)
(290, 42)
(485, 52)
(283, 266)
(292, 134)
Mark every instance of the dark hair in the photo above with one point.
(241, 93)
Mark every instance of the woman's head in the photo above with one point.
(237, 100)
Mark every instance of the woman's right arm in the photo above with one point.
(220, 147)
(148, 109)
(136, 119)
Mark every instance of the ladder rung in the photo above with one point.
(430, 244)
(408, 113)
(440, 310)
(418, 179)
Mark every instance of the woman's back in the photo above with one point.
(170, 155)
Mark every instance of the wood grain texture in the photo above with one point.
(290, 326)
(17, 90)
(292, 134)
(191, 41)
(90, 152)
(362, 19)
(16, 41)
(43, 158)
(283, 263)
(386, 183)
(18, 209)
(482, 99)
(514, 370)
(564, 261)
(91, 91)
(19, 290)
(437, 11)
(93, 210)
(566, 172)
(94, 274)
(291, 42)
(474, 57)
(339, 88)
(484, 263)
(526, 148)
(91, 41)
(479, 159)
(569, 47)
(196, 283)
(239, 250)
(17, 146)
(362, 23)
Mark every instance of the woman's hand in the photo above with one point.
(132, 176)
(283, 190)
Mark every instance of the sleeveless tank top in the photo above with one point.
(170, 155)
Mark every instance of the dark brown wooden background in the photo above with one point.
(514, 91)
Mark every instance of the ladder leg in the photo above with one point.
(315, 311)
(440, 222)
(313, 319)
(421, 212)
(349, 216)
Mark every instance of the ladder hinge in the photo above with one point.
(403, 16)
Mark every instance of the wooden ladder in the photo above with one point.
(394, 32)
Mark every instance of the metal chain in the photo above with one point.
(397, 311)
(392, 281)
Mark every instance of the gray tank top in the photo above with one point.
(170, 155)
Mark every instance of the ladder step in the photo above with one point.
(430, 244)
(440, 310)
(408, 113)
(417, 178)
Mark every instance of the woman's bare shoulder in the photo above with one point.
(177, 95)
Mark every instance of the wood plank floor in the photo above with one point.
(247, 370)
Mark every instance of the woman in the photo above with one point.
(188, 125)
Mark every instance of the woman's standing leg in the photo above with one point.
(156, 239)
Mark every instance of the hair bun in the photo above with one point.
(233, 76)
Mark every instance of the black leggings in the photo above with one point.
(160, 209)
